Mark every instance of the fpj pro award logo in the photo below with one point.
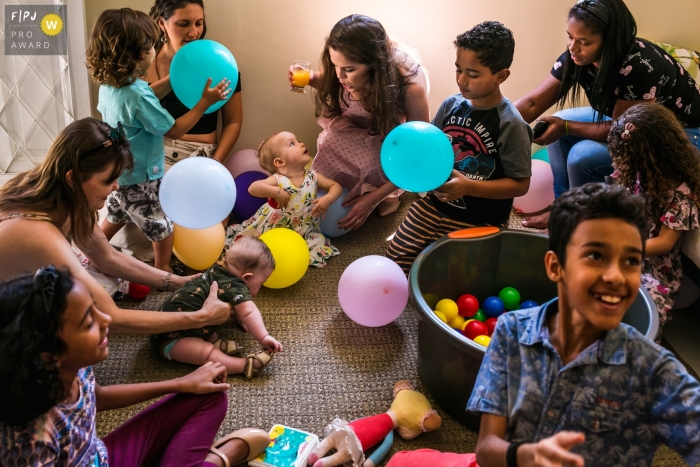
(35, 29)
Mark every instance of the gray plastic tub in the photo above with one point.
(482, 265)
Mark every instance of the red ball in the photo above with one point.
(467, 305)
(138, 291)
(491, 325)
(475, 328)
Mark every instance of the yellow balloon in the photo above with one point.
(448, 307)
(199, 248)
(291, 255)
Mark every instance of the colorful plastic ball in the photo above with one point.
(448, 307)
(510, 298)
(480, 316)
(457, 322)
(493, 307)
(441, 315)
(403, 156)
(468, 305)
(199, 248)
(431, 299)
(491, 325)
(138, 291)
(373, 291)
(528, 304)
(194, 64)
(475, 328)
(464, 325)
(291, 254)
(246, 204)
(483, 340)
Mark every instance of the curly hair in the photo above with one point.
(30, 319)
(612, 20)
(363, 40)
(266, 155)
(165, 9)
(45, 188)
(119, 40)
(492, 43)
(588, 202)
(657, 151)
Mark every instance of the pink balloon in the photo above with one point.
(245, 160)
(541, 192)
(373, 291)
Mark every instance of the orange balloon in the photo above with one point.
(199, 248)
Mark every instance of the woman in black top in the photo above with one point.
(181, 22)
(616, 70)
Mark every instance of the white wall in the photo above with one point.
(265, 36)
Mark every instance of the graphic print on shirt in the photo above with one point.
(471, 148)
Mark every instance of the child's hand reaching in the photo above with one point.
(281, 198)
(321, 205)
(270, 343)
(210, 377)
(217, 93)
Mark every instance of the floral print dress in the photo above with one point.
(662, 275)
(296, 216)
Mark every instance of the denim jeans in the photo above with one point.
(576, 161)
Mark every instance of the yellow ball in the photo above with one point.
(483, 340)
(464, 324)
(199, 248)
(457, 322)
(291, 255)
(441, 315)
(448, 307)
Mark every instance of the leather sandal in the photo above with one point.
(232, 347)
(257, 440)
(263, 357)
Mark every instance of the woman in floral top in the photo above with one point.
(291, 191)
(652, 157)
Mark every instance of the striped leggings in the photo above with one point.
(422, 226)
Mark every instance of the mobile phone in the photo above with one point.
(540, 127)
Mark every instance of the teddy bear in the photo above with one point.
(410, 415)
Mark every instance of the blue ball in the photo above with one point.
(417, 156)
(196, 62)
(493, 307)
(528, 304)
(335, 212)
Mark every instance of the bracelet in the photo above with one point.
(511, 454)
(279, 190)
(166, 281)
(566, 126)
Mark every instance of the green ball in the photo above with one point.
(479, 315)
(542, 155)
(510, 297)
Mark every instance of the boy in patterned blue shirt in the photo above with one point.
(567, 382)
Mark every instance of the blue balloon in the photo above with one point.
(528, 304)
(194, 64)
(417, 156)
(197, 192)
(493, 307)
(246, 204)
(329, 224)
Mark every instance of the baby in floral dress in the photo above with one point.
(291, 193)
(653, 158)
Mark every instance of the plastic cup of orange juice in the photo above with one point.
(301, 74)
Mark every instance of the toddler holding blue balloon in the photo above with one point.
(292, 197)
(119, 55)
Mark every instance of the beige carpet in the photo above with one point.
(330, 366)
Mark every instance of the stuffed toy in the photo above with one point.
(410, 415)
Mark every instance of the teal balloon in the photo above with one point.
(194, 64)
(542, 155)
(417, 156)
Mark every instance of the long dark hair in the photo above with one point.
(166, 9)
(655, 149)
(44, 189)
(31, 312)
(612, 20)
(363, 40)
